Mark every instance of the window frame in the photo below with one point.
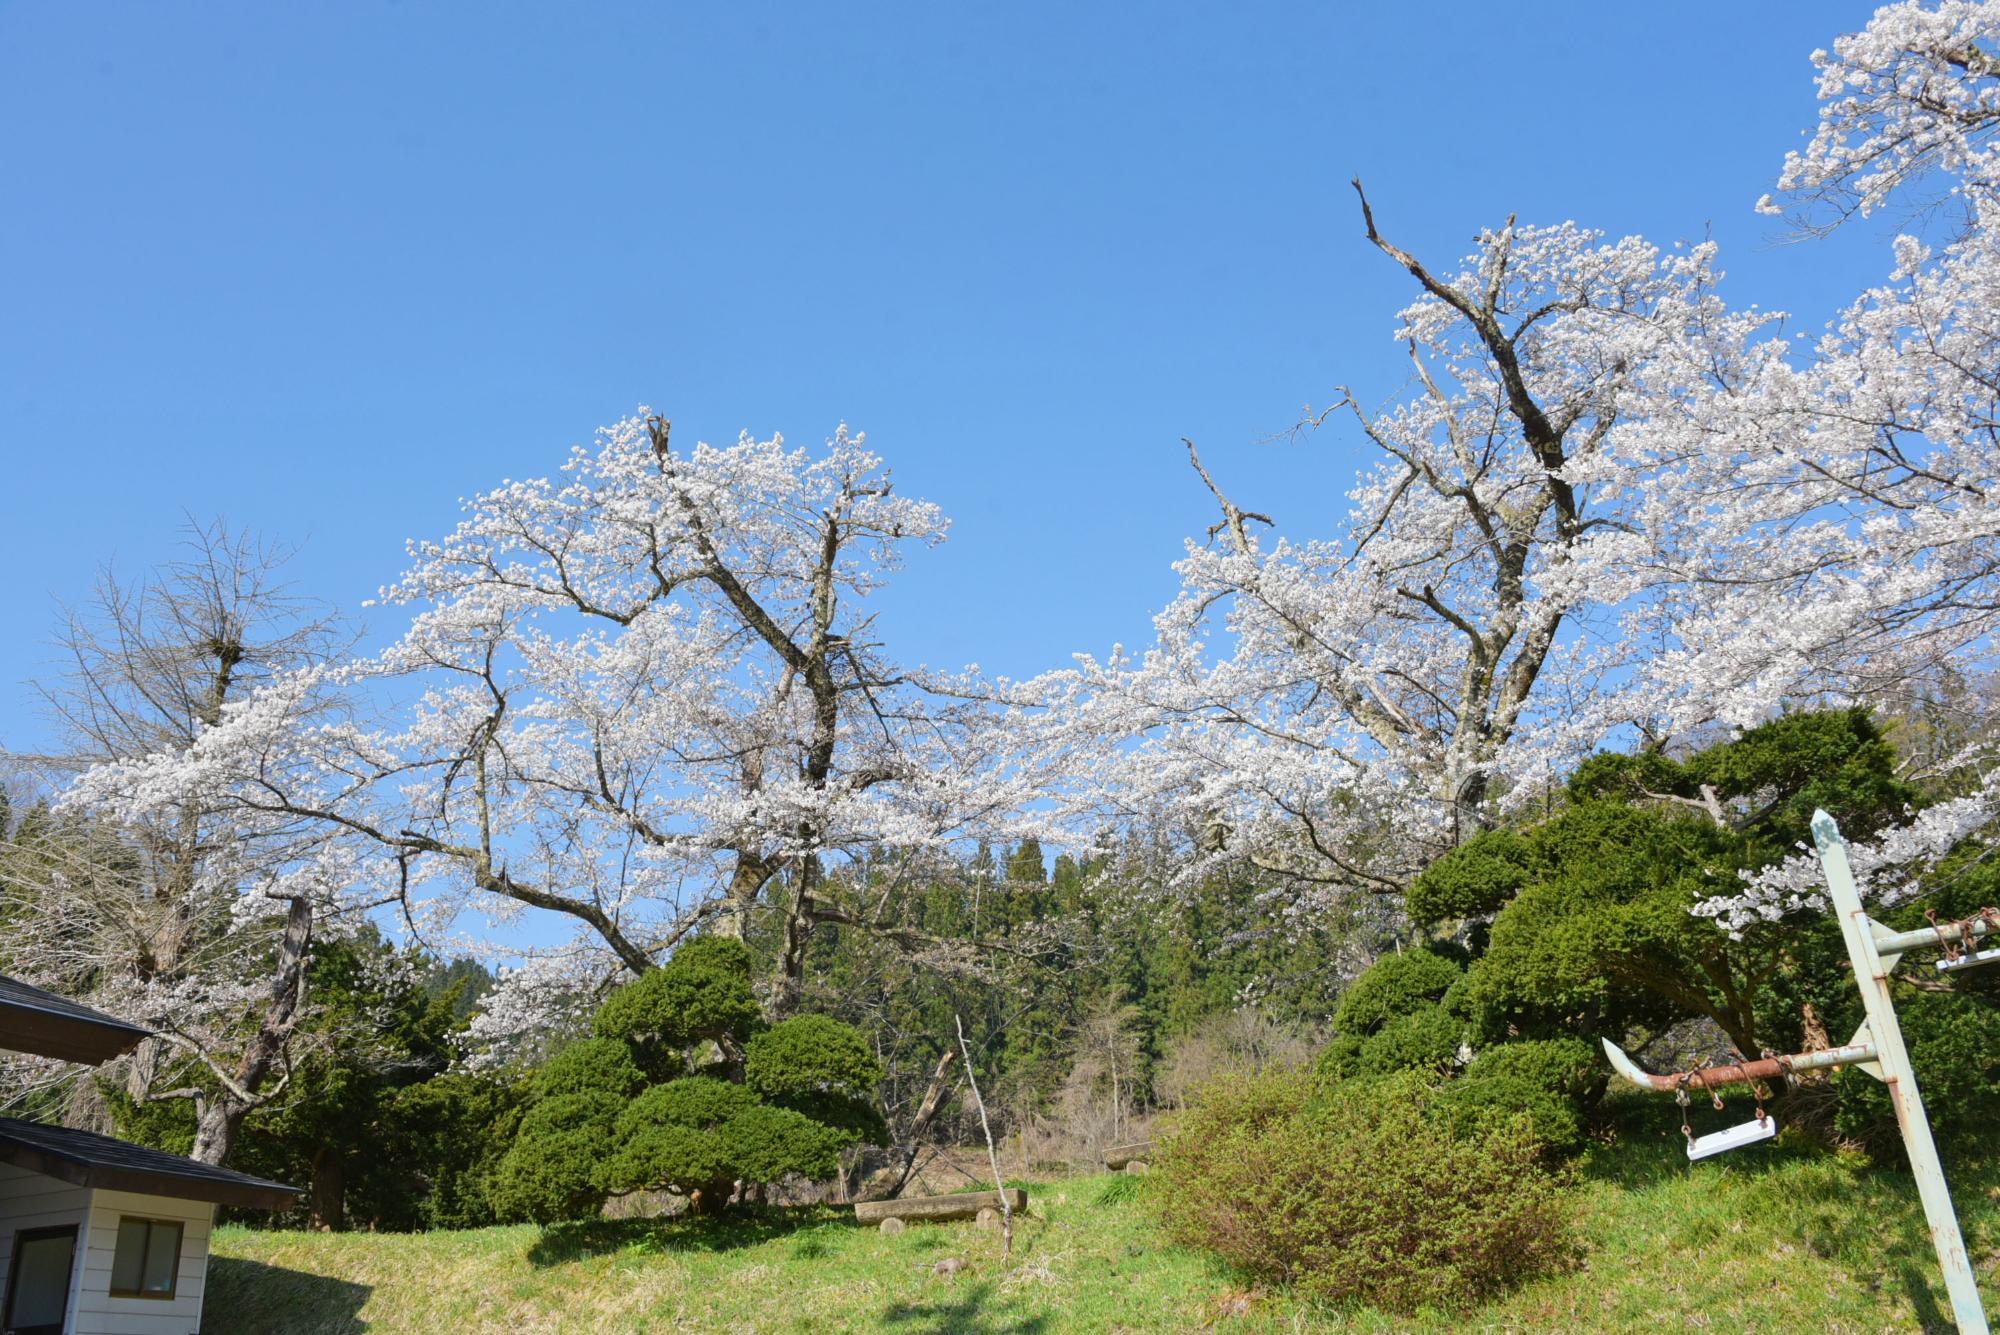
(179, 1227)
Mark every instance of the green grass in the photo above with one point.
(1776, 1240)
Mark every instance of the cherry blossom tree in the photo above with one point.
(1884, 439)
(1340, 711)
(644, 696)
(1613, 512)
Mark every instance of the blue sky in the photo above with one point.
(326, 269)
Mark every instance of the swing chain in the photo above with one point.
(1955, 948)
(1757, 1090)
(1952, 947)
(1681, 1097)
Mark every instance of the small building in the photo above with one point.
(103, 1237)
(99, 1236)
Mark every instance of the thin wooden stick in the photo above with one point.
(999, 1187)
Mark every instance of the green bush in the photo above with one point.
(765, 1143)
(1360, 1193)
(1423, 1040)
(686, 1159)
(591, 1065)
(1569, 1068)
(702, 993)
(809, 1054)
(554, 1170)
(1473, 879)
(817, 1066)
(695, 1101)
(593, 1111)
(620, 1112)
(1393, 986)
(452, 1131)
(1340, 1059)
(1480, 1104)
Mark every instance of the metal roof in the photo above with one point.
(86, 1159)
(47, 1025)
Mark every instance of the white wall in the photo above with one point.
(29, 1200)
(98, 1313)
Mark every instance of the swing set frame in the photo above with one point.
(1876, 1048)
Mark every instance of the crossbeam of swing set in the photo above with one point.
(1945, 934)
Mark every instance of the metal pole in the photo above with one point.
(1871, 975)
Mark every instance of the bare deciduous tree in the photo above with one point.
(171, 909)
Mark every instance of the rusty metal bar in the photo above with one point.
(1740, 1073)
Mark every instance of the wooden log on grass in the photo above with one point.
(1120, 1155)
(965, 1205)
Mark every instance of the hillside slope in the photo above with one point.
(1785, 1241)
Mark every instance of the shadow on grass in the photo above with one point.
(581, 1239)
(251, 1298)
(1918, 1290)
(963, 1313)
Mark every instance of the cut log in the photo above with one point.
(1120, 1155)
(965, 1205)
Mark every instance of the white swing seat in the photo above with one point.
(1971, 961)
(1735, 1137)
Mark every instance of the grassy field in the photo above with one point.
(1776, 1240)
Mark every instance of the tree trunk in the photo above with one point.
(216, 1122)
(927, 1109)
(745, 883)
(221, 1116)
(329, 1190)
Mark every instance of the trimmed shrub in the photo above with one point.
(553, 1170)
(1474, 879)
(687, 1159)
(591, 1066)
(693, 1101)
(621, 1111)
(765, 1143)
(1393, 986)
(1424, 1040)
(809, 1054)
(1568, 1068)
(1481, 1105)
(592, 1111)
(701, 993)
(1361, 1192)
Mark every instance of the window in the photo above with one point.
(148, 1259)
